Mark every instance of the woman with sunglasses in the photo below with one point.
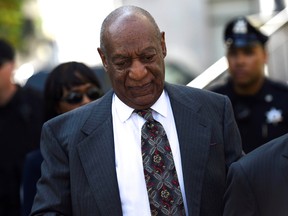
(68, 86)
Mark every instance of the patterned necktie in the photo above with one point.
(160, 174)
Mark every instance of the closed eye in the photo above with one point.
(148, 58)
(122, 63)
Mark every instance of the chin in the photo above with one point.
(145, 102)
(244, 84)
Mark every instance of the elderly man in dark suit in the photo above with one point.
(258, 183)
(93, 161)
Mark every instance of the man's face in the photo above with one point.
(134, 60)
(6, 71)
(246, 65)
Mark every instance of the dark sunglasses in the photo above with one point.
(77, 97)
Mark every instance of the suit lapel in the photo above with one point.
(97, 155)
(194, 140)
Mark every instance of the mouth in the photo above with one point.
(240, 73)
(141, 90)
(146, 85)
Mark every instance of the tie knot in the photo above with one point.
(146, 114)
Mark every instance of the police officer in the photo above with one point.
(260, 104)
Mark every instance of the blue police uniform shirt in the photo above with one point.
(261, 117)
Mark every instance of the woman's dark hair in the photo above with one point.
(65, 76)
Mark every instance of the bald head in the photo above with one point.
(132, 51)
(120, 17)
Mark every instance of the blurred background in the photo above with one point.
(48, 32)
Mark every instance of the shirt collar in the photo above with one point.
(124, 112)
(161, 105)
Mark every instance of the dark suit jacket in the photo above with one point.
(258, 183)
(78, 173)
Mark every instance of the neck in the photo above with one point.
(249, 89)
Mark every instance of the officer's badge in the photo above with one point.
(274, 116)
(240, 27)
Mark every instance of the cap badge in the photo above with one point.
(274, 116)
(240, 27)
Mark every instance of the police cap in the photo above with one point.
(240, 32)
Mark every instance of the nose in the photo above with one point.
(137, 70)
(240, 59)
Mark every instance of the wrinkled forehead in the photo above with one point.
(131, 33)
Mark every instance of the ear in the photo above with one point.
(163, 44)
(9, 66)
(103, 58)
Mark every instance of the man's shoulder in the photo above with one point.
(277, 86)
(29, 104)
(194, 97)
(182, 89)
(223, 88)
(31, 97)
(264, 154)
(31, 93)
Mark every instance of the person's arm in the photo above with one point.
(232, 138)
(53, 188)
(239, 198)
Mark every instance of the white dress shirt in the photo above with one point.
(129, 167)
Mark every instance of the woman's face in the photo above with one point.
(77, 96)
